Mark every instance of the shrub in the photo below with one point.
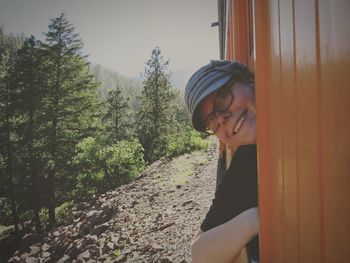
(186, 142)
(103, 167)
(5, 212)
(64, 211)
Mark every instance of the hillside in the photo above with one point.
(149, 220)
(109, 79)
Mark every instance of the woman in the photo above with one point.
(220, 98)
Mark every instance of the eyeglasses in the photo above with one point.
(222, 102)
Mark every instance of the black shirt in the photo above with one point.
(237, 192)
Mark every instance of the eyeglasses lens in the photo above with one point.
(221, 103)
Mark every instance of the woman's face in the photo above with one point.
(237, 124)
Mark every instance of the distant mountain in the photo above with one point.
(109, 80)
(132, 87)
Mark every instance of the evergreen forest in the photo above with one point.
(70, 130)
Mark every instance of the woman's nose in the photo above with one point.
(222, 116)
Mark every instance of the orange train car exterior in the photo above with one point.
(300, 53)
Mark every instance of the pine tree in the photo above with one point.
(6, 141)
(8, 182)
(118, 119)
(156, 114)
(26, 82)
(71, 108)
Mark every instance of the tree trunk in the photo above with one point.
(52, 217)
(37, 220)
(10, 176)
(14, 214)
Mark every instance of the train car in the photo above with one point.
(300, 53)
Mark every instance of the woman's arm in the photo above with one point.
(224, 242)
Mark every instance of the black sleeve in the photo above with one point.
(238, 190)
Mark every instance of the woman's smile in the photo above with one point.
(239, 122)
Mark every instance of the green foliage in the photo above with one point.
(72, 106)
(60, 141)
(44, 215)
(118, 119)
(50, 103)
(64, 211)
(9, 185)
(116, 253)
(26, 79)
(156, 114)
(103, 167)
(183, 143)
(181, 113)
(5, 212)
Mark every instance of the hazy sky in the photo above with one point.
(120, 34)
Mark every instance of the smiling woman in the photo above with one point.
(234, 123)
(220, 97)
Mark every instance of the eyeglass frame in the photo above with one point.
(227, 87)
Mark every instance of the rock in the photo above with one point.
(82, 206)
(93, 238)
(46, 240)
(93, 217)
(64, 259)
(110, 245)
(106, 207)
(162, 227)
(187, 202)
(77, 214)
(83, 256)
(166, 260)
(98, 230)
(82, 229)
(45, 247)
(46, 254)
(56, 233)
(31, 260)
(94, 250)
(28, 240)
(14, 259)
(121, 258)
(73, 252)
(34, 250)
(24, 255)
(146, 248)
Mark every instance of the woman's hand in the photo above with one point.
(224, 242)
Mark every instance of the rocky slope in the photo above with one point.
(150, 220)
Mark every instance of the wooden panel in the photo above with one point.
(303, 102)
(238, 30)
(230, 38)
(268, 221)
(334, 109)
(241, 28)
(275, 131)
(308, 147)
(289, 134)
